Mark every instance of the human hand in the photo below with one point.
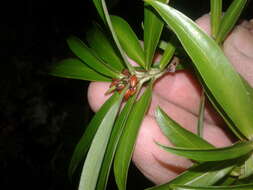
(179, 95)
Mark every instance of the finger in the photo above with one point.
(238, 46)
(183, 90)
(158, 165)
(96, 94)
(180, 88)
(184, 118)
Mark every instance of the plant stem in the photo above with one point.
(216, 13)
(123, 54)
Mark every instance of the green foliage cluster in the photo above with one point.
(111, 135)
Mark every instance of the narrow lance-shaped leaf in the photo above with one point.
(169, 46)
(114, 35)
(226, 181)
(216, 13)
(212, 65)
(248, 87)
(126, 144)
(113, 142)
(128, 40)
(232, 187)
(220, 110)
(94, 158)
(104, 48)
(177, 134)
(207, 173)
(100, 10)
(76, 69)
(229, 19)
(247, 168)
(86, 55)
(153, 27)
(163, 44)
(167, 55)
(214, 154)
(84, 143)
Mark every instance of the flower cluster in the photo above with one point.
(129, 81)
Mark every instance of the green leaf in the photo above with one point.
(85, 141)
(248, 87)
(99, 7)
(163, 45)
(76, 69)
(108, 22)
(247, 180)
(229, 19)
(232, 187)
(113, 142)
(212, 65)
(226, 181)
(153, 27)
(214, 154)
(216, 13)
(94, 158)
(201, 115)
(220, 110)
(104, 47)
(126, 144)
(86, 55)
(247, 168)
(167, 55)
(207, 173)
(128, 40)
(177, 134)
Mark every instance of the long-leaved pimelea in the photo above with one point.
(111, 134)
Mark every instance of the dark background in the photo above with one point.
(43, 117)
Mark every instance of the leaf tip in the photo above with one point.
(159, 112)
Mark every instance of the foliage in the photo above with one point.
(112, 133)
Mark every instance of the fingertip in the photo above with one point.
(96, 94)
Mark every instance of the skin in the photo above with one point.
(178, 94)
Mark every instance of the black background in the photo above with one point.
(43, 117)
